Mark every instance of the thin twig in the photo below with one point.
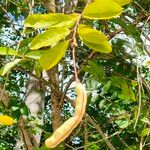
(139, 94)
(74, 45)
(104, 137)
(85, 134)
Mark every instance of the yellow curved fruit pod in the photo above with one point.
(6, 120)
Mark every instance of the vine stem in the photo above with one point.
(74, 64)
(138, 69)
(74, 44)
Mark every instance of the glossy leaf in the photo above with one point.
(89, 34)
(25, 43)
(127, 92)
(145, 120)
(74, 16)
(145, 132)
(123, 123)
(102, 103)
(122, 2)
(24, 110)
(94, 39)
(34, 54)
(49, 37)
(7, 67)
(95, 70)
(51, 57)
(92, 85)
(106, 88)
(49, 20)
(102, 9)
(7, 51)
(103, 47)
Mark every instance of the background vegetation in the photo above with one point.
(118, 82)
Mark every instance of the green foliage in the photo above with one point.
(7, 51)
(116, 75)
(127, 92)
(94, 69)
(52, 56)
(94, 39)
(122, 2)
(34, 54)
(145, 132)
(101, 9)
(7, 67)
(51, 36)
(58, 20)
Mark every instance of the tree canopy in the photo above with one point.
(75, 73)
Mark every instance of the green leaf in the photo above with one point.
(129, 29)
(94, 39)
(92, 84)
(24, 110)
(7, 51)
(50, 20)
(34, 54)
(14, 108)
(102, 9)
(116, 81)
(51, 57)
(122, 2)
(49, 37)
(38, 69)
(102, 103)
(103, 47)
(95, 70)
(94, 98)
(7, 67)
(127, 92)
(74, 16)
(145, 120)
(123, 123)
(93, 146)
(106, 88)
(25, 42)
(145, 132)
(89, 34)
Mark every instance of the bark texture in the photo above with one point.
(35, 102)
(55, 100)
(53, 76)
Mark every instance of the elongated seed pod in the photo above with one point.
(67, 127)
(81, 100)
(62, 132)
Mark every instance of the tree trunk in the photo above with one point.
(53, 76)
(35, 102)
(55, 100)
